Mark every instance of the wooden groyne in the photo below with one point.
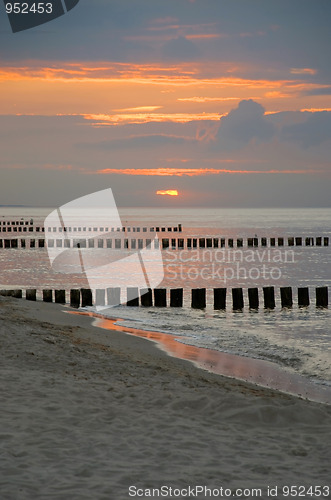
(31, 234)
(174, 297)
(123, 242)
(29, 226)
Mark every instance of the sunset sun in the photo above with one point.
(167, 192)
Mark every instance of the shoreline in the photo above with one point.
(262, 373)
(87, 413)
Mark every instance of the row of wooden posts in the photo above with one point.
(163, 243)
(158, 297)
(21, 227)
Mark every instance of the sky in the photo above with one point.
(226, 102)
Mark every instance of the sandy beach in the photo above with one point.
(87, 414)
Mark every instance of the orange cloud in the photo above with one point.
(315, 110)
(303, 71)
(139, 109)
(135, 92)
(168, 192)
(210, 99)
(177, 26)
(276, 94)
(157, 74)
(102, 120)
(302, 110)
(193, 172)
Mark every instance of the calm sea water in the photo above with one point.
(299, 340)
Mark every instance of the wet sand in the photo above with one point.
(256, 371)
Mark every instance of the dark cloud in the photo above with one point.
(139, 141)
(34, 171)
(282, 33)
(180, 48)
(315, 130)
(244, 124)
(248, 124)
(322, 91)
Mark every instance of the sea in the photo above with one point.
(295, 341)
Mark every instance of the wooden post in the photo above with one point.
(269, 297)
(198, 298)
(160, 297)
(286, 296)
(322, 296)
(60, 296)
(253, 298)
(48, 295)
(31, 294)
(303, 297)
(176, 297)
(17, 294)
(219, 298)
(113, 296)
(237, 299)
(132, 297)
(86, 294)
(100, 297)
(74, 298)
(146, 297)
